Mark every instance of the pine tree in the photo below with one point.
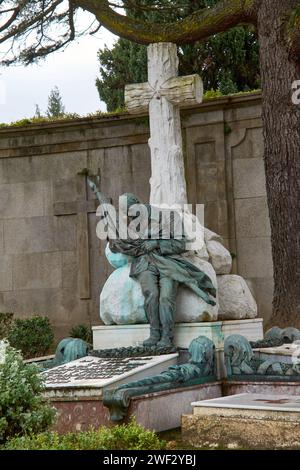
(38, 113)
(55, 105)
(228, 62)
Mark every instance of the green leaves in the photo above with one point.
(228, 62)
(130, 436)
(23, 410)
(32, 336)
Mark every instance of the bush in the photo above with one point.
(22, 407)
(123, 437)
(6, 320)
(82, 332)
(32, 336)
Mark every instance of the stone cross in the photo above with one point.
(163, 95)
(81, 207)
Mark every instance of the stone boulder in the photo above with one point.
(122, 301)
(189, 307)
(219, 256)
(235, 298)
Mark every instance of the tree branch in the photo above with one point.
(26, 23)
(196, 27)
(12, 18)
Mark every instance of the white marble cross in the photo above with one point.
(164, 93)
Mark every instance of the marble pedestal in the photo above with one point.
(106, 337)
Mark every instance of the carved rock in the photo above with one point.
(219, 257)
(190, 308)
(121, 299)
(235, 298)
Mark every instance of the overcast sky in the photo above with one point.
(74, 72)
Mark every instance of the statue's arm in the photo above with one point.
(126, 247)
(172, 246)
(100, 196)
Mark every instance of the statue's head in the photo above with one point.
(126, 201)
(238, 355)
(70, 349)
(202, 352)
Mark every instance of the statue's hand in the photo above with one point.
(150, 245)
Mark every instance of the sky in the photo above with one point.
(73, 71)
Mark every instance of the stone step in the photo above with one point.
(245, 421)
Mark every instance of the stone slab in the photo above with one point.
(159, 411)
(245, 421)
(238, 404)
(252, 329)
(249, 178)
(287, 353)
(240, 433)
(37, 271)
(234, 387)
(98, 373)
(105, 337)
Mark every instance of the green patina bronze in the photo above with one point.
(201, 368)
(133, 351)
(159, 268)
(242, 364)
(276, 336)
(68, 349)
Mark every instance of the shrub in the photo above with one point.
(6, 320)
(32, 336)
(123, 437)
(23, 410)
(82, 332)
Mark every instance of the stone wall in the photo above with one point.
(51, 260)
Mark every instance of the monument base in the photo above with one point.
(158, 411)
(105, 336)
(133, 335)
(245, 421)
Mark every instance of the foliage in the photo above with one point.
(40, 120)
(82, 332)
(22, 407)
(32, 336)
(227, 62)
(211, 94)
(55, 105)
(6, 320)
(38, 113)
(122, 437)
(125, 63)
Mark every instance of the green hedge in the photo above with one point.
(32, 336)
(82, 332)
(23, 410)
(123, 437)
(6, 320)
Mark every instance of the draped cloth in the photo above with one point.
(167, 260)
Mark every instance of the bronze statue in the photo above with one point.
(200, 368)
(159, 268)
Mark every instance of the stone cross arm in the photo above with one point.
(180, 91)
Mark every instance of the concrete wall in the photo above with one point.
(51, 260)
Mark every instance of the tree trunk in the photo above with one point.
(281, 119)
